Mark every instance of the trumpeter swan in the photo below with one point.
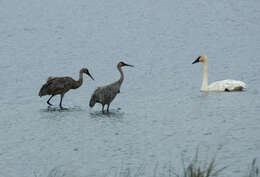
(224, 85)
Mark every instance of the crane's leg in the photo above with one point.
(61, 98)
(48, 102)
(108, 107)
(103, 108)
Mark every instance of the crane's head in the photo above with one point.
(121, 64)
(85, 70)
(202, 58)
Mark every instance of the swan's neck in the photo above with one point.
(121, 79)
(80, 81)
(204, 86)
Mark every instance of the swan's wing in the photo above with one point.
(227, 85)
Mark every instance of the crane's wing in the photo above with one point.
(56, 85)
(104, 95)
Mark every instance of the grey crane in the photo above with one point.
(61, 85)
(106, 94)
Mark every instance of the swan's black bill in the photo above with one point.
(197, 60)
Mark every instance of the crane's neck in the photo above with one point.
(80, 81)
(204, 86)
(121, 75)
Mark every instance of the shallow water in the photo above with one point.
(160, 113)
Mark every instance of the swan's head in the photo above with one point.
(202, 58)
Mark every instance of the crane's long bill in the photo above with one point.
(197, 60)
(90, 76)
(129, 65)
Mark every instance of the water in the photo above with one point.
(160, 113)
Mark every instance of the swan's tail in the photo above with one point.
(239, 88)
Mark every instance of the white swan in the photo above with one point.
(224, 85)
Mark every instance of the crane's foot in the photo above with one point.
(108, 108)
(62, 108)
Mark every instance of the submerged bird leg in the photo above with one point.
(61, 98)
(48, 102)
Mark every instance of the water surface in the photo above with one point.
(160, 113)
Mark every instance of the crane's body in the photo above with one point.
(106, 94)
(61, 85)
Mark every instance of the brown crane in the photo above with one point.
(105, 95)
(61, 85)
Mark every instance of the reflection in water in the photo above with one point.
(54, 112)
(204, 94)
(112, 114)
(58, 109)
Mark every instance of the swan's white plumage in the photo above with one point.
(227, 85)
(224, 85)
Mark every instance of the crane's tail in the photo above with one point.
(92, 101)
(50, 78)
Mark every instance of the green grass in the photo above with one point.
(195, 169)
(254, 170)
(192, 169)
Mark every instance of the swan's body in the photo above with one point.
(224, 85)
(106, 94)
